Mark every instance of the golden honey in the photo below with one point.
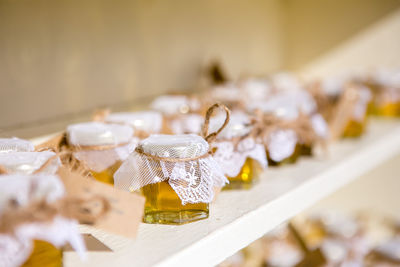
(289, 160)
(391, 109)
(305, 150)
(44, 254)
(354, 129)
(164, 206)
(107, 176)
(248, 176)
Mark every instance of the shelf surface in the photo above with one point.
(239, 217)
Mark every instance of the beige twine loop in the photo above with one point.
(212, 136)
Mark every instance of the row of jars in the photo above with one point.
(328, 238)
(180, 153)
(164, 153)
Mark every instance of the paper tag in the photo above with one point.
(92, 244)
(126, 208)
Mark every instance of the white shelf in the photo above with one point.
(240, 217)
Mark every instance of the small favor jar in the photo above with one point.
(176, 174)
(143, 123)
(34, 236)
(238, 153)
(101, 147)
(350, 117)
(385, 87)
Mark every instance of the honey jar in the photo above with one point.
(241, 157)
(176, 174)
(101, 147)
(34, 241)
(357, 120)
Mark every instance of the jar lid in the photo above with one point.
(24, 189)
(286, 81)
(98, 134)
(281, 107)
(15, 144)
(175, 104)
(147, 121)
(174, 146)
(238, 125)
(24, 162)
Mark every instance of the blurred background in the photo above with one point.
(60, 60)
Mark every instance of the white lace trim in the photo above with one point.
(232, 160)
(15, 145)
(281, 144)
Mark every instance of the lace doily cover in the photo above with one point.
(231, 158)
(15, 248)
(16, 145)
(193, 181)
(146, 121)
(29, 162)
(186, 124)
(101, 134)
(175, 104)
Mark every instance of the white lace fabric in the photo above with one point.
(231, 158)
(29, 162)
(16, 247)
(281, 144)
(192, 180)
(175, 104)
(15, 145)
(190, 123)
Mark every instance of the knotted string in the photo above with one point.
(208, 137)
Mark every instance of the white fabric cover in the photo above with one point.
(256, 89)
(175, 104)
(192, 180)
(360, 108)
(146, 121)
(29, 162)
(238, 125)
(232, 160)
(98, 134)
(16, 145)
(226, 93)
(281, 144)
(16, 248)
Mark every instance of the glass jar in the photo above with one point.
(175, 174)
(283, 147)
(248, 176)
(44, 254)
(240, 156)
(101, 147)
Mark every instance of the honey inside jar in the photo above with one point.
(391, 109)
(247, 177)
(163, 205)
(107, 176)
(44, 254)
(354, 129)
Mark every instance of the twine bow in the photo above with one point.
(208, 137)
